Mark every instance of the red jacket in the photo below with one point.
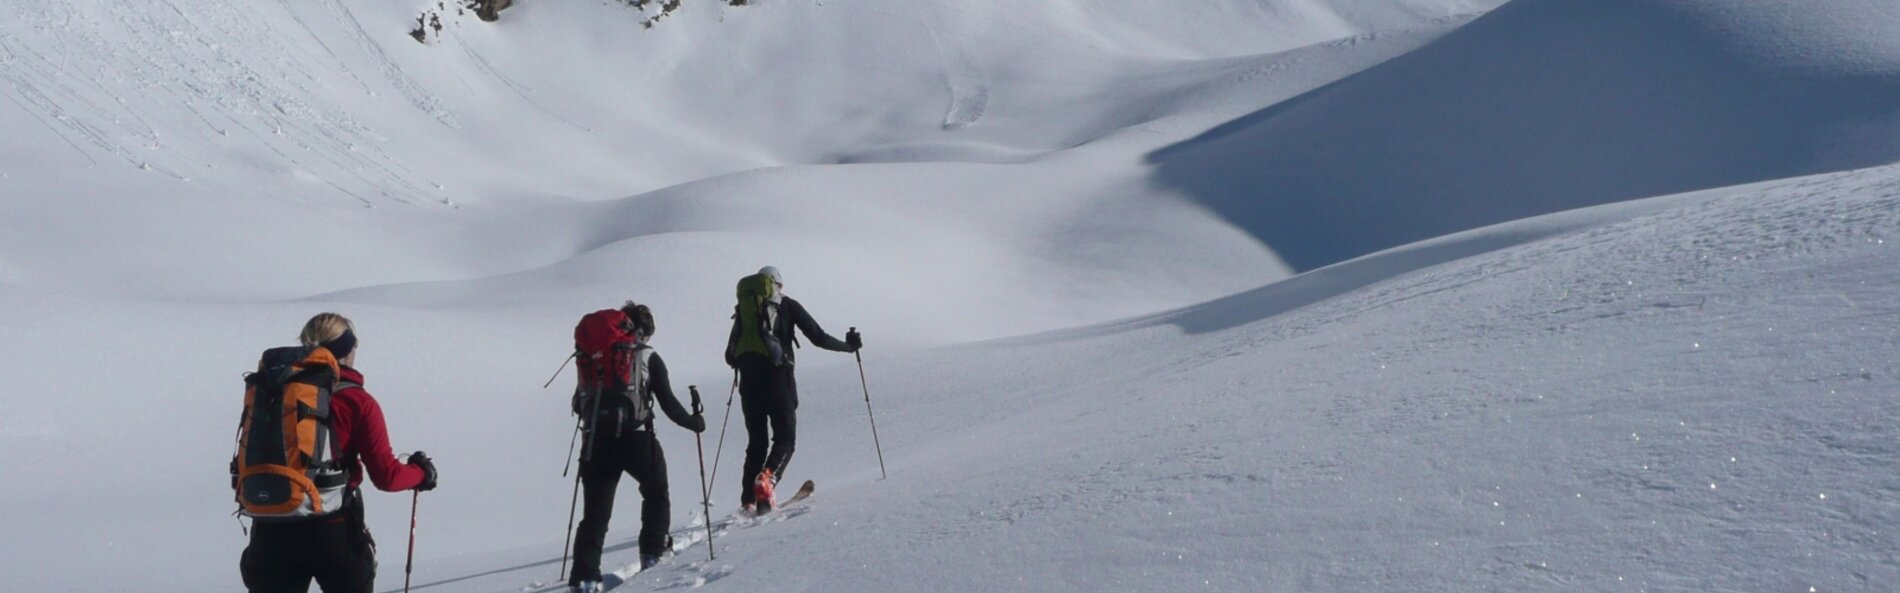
(362, 440)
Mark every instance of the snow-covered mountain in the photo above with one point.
(1548, 105)
(1275, 295)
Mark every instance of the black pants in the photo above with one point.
(769, 397)
(637, 454)
(335, 551)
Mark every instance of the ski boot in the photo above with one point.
(586, 587)
(762, 492)
(648, 560)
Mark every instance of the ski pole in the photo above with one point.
(867, 412)
(705, 488)
(587, 450)
(722, 424)
(577, 421)
(570, 447)
(567, 546)
(409, 566)
(557, 372)
(587, 453)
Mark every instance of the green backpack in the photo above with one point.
(754, 317)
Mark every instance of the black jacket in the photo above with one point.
(659, 386)
(791, 314)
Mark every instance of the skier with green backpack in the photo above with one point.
(761, 348)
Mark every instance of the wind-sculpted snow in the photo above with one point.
(1626, 404)
(1624, 397)
(334, 94)
(1548, 105)
(298, 114)
(183, 92)
(1627, 399)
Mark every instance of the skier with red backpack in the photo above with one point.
(621, 378)
(309, 435)
(760, 350)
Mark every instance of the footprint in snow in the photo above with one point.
(697, 575)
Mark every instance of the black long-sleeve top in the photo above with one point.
(661, 386)
(792, 314)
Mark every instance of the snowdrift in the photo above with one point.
(329, 100)
(235, 124)
(185, 183)
(1630, 400)
(1548, 105)
(1629, 403)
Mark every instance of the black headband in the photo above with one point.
(342, 345)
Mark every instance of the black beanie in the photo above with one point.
(342, 345)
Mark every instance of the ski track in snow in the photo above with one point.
(205, 63)
(397, 77)
(969, 94)
(519, 89)
(684, 567)
(1684, 393)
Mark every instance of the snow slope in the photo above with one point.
(1635, 401)
(185, 183)
(1625, 398)
(287, 116)
(1548, 105)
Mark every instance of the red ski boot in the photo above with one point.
(763, 502)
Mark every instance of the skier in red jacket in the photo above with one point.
(336, 549)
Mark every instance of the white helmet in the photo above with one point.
(772, 272)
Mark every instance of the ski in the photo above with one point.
(614, 579)
(804, 492)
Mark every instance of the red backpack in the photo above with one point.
(612, 394)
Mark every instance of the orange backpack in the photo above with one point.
(284, 467)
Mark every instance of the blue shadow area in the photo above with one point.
(1540, 106)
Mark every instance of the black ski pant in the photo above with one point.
(638, 454)
(769, 397)
(335, 551)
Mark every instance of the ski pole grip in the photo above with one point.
(694, 389)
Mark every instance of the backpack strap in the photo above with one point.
(329, 460)
(639, 387)
(641, 354)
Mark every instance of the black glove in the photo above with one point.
(579, 403)
(421, 460)
(853, 340)
(695, 423)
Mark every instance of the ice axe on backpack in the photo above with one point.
(557, 372)
(577, 421)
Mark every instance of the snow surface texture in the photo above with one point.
(1546, 105)
(1068, 229)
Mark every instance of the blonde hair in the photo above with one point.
(323, 328)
